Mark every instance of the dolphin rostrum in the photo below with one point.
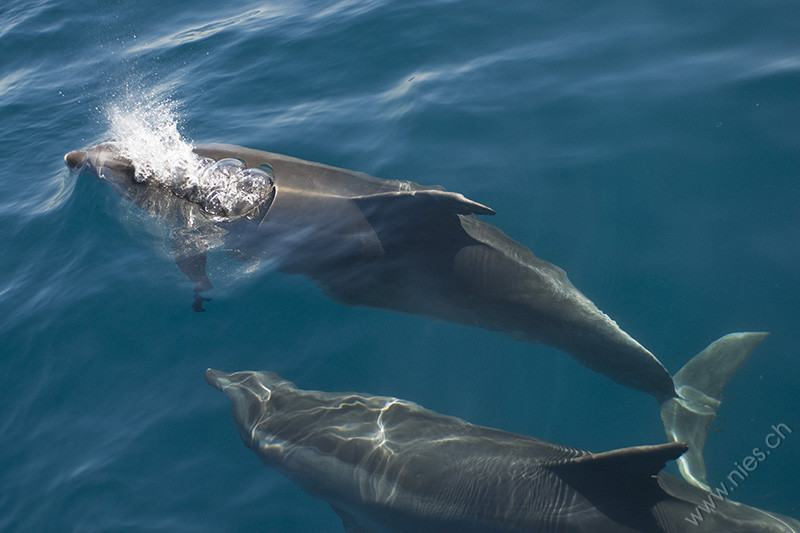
(400, 245)
(385, 464)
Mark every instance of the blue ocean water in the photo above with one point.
(651, 150)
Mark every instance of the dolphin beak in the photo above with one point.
(217, 379)
(75, 159)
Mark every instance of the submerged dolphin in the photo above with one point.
(385, 464)
(408, 247)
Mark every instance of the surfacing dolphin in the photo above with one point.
(408, 247)
(388, 465)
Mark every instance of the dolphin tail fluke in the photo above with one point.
(699, 385)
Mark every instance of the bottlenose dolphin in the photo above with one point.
(400, 245)
(385, 464)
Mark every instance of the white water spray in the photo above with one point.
(147, 129)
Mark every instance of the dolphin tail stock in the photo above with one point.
(699, 385)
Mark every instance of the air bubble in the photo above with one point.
(227, 189)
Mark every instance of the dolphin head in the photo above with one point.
(304, 431)
(222, 189)
(259, 400)
(106, 161)
(249, 392)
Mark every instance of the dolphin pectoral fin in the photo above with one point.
(423, 200)
(197, 306)
(189, 251)
(699, 385)
(349, 522)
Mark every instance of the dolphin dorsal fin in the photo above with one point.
(622, 484)
(629, 462)
(425, 200)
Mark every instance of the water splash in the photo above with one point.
(146, 126)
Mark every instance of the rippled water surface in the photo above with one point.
(650, 150)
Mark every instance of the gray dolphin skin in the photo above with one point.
(399, 245)
(388, 465)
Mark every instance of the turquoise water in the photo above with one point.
(652, 151)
